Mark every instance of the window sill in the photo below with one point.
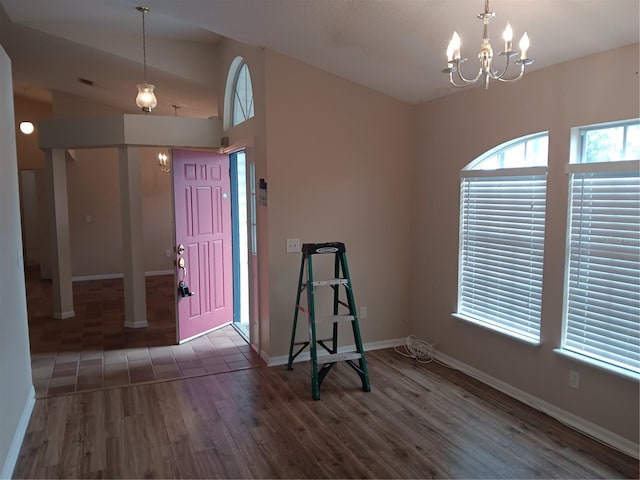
(621, 372)
(506, 333)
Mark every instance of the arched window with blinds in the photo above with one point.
(502, 225)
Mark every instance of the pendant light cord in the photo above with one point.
(144, 48)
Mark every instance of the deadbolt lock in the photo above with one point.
(180, 249)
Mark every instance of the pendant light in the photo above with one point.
(146, 99)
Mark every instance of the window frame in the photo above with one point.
(242, 67)
(580, 155)
(578, 169)
(535, 174)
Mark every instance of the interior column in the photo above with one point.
(56, 172)
(135, 299)
(43, 224)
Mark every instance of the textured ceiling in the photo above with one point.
(393, 46)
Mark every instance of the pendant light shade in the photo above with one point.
(146, 99)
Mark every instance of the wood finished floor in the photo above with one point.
(93, 349)
(419, 421)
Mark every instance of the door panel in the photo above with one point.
(203, 225)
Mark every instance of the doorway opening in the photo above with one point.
(240, 212)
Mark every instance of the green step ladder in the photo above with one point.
(355, 359)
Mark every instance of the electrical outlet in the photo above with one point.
(574, 379)
(293, 245)
(363, 312)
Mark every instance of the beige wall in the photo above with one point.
(339, 158)
(16, 392)
(454, 130)
(30, 157)
(94, 212)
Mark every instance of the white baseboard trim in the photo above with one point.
(64, 315)
(305, 356)
(580, 424)
(18, 436)
(265, 357)
(109, 276)
(158, 273)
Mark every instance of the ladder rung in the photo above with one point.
(335, 319)
(339, 357)
(307, 342)
(333, 281)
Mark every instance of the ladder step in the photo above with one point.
(332, 357)
(333, 281)
(335, 319)
(307, 342)
(339, 357)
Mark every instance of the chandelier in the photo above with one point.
(146, 99)
(455, 61)
(163, 162)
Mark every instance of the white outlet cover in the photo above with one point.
(293, 245)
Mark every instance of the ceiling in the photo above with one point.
(392, 46)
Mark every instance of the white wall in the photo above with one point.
(16, 390)
(454, 130)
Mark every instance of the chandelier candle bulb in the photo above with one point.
(455, 46)
(450, 54)
(507, 36)
(524, 46)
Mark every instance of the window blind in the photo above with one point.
(602, 305)
(501, 252)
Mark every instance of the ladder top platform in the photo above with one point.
(318, 248)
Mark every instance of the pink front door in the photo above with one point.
(202, 187)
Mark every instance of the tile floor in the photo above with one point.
(93, 350)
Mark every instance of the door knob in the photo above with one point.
(181, 264)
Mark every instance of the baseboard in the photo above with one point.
(304, 356)
(110, 276)
(64, 315)
(18, 436)
(580, 424)
(158, 273)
